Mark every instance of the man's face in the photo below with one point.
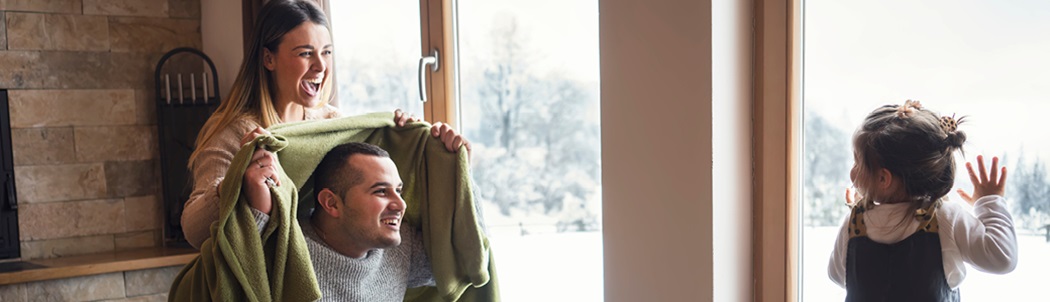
(373, 209)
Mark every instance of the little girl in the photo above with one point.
(902, 240)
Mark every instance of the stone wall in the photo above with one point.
(79, 75)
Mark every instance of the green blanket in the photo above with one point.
(236, 264)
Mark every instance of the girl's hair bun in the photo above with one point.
(950, 125)
(955, 139)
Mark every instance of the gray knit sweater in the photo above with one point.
(381, 275)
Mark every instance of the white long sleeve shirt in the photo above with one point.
(984, 239)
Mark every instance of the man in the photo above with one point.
(358, 247)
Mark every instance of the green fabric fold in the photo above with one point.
(236, 264)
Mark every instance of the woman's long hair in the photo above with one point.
(252, 93)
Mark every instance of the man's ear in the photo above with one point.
(329, 202)
(269, 59)
(885, 179)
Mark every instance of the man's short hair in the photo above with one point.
(336, 173)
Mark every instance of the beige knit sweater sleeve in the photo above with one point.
(202, 209)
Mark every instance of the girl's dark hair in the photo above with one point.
(915, 145)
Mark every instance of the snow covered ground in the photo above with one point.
(549, 266)
(568, 267)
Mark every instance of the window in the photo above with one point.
(376, 47)
(970, 58)
(529, 102)
(520, 80)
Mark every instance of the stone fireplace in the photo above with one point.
(83, 132)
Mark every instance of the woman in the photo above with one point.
(285, 77)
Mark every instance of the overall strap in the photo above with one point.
(927, 217)
(856, 222)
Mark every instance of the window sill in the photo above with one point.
(92, 264)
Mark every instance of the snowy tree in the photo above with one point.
(376, 86)
(508, 87)
(1029, 188)
(827, 161)
(536, 152)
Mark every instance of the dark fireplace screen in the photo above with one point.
(9, 247)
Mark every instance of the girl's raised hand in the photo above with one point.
(985, 183)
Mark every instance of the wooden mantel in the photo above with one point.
(92, 264)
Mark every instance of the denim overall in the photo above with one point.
(909, 270)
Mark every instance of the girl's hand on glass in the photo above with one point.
(985, 183)
(401, 118)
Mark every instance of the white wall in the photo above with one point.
(676, 149)
(221, 32)
(656, 149)
(731, 37)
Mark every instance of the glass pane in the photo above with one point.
(377, 47)
(529, 100)
(970, 58)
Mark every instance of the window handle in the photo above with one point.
(423, 62)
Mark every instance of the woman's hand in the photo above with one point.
(251, 135)
(401, 118)
(983, 183)
(260, 175)
(449, 137)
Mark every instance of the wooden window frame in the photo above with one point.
(437, 29)
(777, 124)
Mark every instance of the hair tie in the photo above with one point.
(908, 109)
(949, 124)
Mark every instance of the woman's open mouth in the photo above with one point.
(311, 86)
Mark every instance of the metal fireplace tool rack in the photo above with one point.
(187, 94)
